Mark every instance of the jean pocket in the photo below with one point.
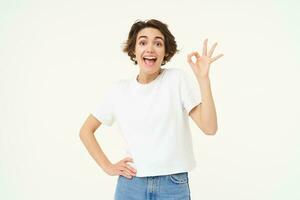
(179, 178)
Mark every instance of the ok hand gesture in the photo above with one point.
(202, 64)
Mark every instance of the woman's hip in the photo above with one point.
(172, 186)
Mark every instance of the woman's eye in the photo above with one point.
(142, 43)
(158, 44)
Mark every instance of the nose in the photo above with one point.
(149, 48)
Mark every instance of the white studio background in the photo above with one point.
(58, 57)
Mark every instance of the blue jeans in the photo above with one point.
(165, 187)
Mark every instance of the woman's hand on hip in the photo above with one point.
(121, 168)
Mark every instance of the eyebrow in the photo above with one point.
(157, 37)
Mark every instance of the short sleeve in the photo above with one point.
(189, 91)
(104, 110)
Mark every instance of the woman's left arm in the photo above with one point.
(204, 114)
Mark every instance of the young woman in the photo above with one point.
(152, 111)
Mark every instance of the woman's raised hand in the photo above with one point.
(121, 168)
(202, 64)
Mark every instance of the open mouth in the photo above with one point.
(149, 60)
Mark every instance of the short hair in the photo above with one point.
(169, 42)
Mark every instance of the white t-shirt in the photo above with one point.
(153, 119)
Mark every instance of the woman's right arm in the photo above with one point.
(89, 140)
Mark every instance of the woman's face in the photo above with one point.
(149, 49)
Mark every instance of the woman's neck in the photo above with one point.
(145, 78)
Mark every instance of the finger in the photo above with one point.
(128, 159)
(194, 53)
(128, 168)
(130, 172)
(131, 169)
(126, 174)
(204, 53)
(216, 57)
(212, 50)
(189, 59)
(127, 171)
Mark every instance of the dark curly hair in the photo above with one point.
(170, 43)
